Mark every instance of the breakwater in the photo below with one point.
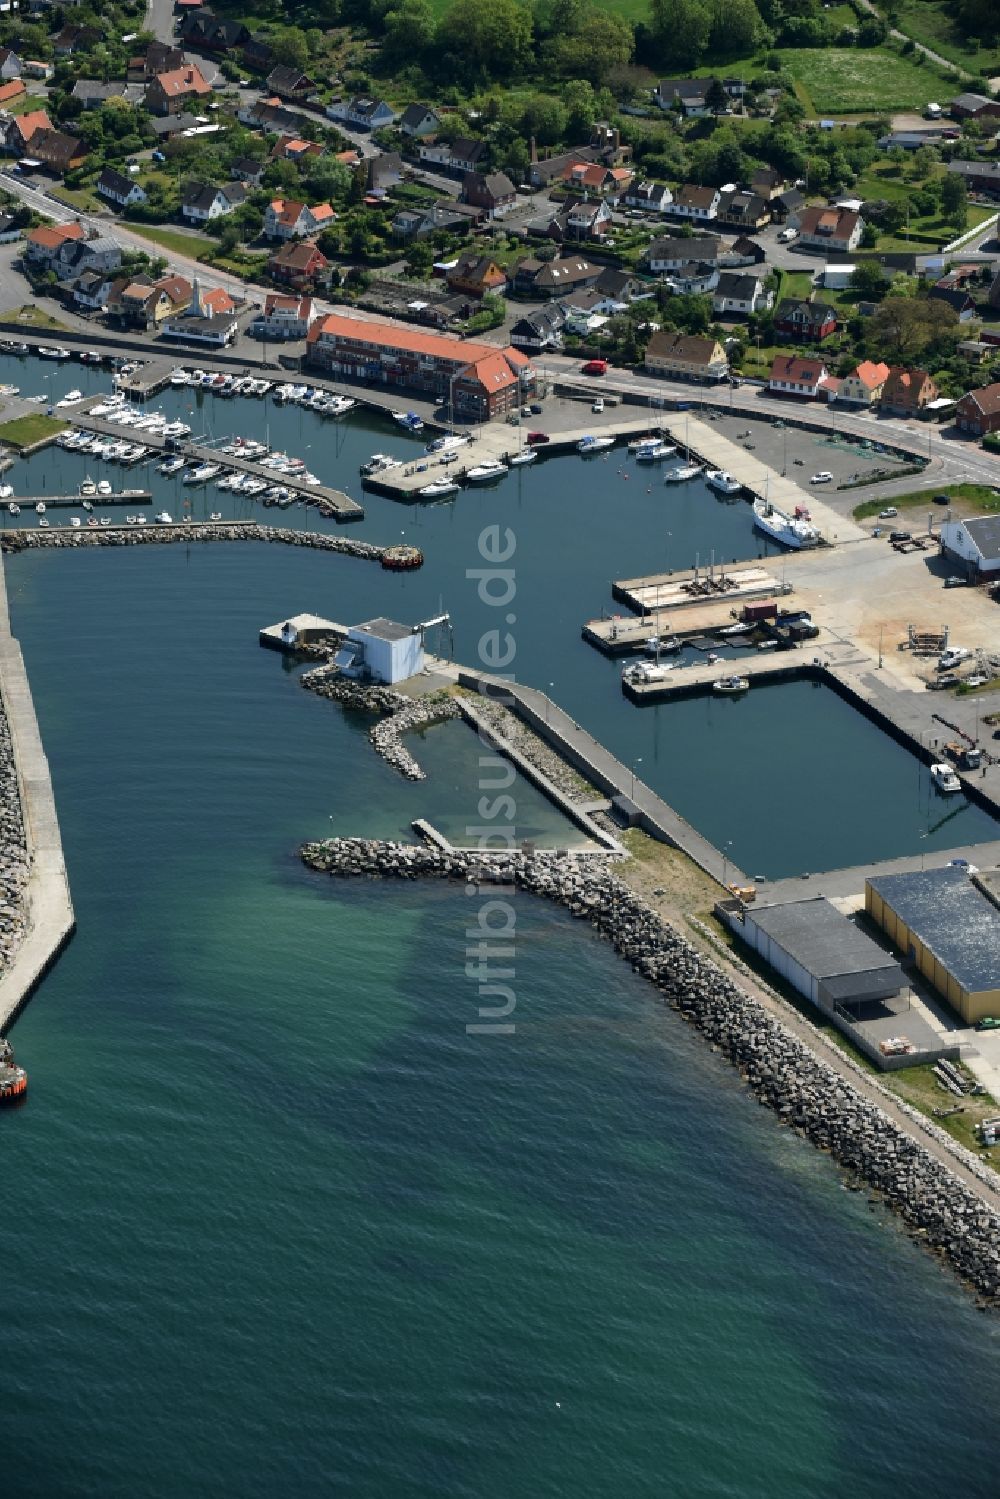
(782, 1072)
(14, 861)
(187, 531)
(398, 714)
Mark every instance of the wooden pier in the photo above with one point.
(330, 502)
(120, 497)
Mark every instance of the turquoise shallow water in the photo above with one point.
(277, 1220)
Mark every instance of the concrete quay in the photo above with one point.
(330, 502)
(49, 918)
(686, 604)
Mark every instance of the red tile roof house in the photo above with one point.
(907, 392)
(169, 93)
(481, 380)
(978, 412)
(830, 229)
(42, 245)
(298, 263)
(594, 177)
(287, 218)
(793, 375)
(810, 322)
(12, 90)
(18, 131)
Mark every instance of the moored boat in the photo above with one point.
(654, 452)
(523, 458)
(682, 474)
(731, 684)
(13, 1079)
(789, 530)
(591, 444)
(438, 489)
(945, 778)
(486, 472)
(722, 481)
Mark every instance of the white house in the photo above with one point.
(740, 294)
(286, 218)
(418, 120)
(975, 543)
(283, 316)
(692, 279)
(119, 189)
(382, 650)
(670, 254)
(10, 65)
(203, 201)
(651, 197)
(698, 204)
(362, 112)
(793, 375)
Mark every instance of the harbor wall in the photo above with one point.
(946, 1198)
(48, 914)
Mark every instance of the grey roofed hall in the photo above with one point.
(827, 945)
(385, 629)
(952, 918)
(984, 532)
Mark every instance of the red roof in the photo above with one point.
(796, 370)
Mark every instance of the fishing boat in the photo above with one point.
(408, 419)
(655, 452)
(13, 1079)
(731, 684)
(590, 444)
(215, 515)
(945, 778)
(486, 472)
(438, 489)
(662, 645)
(682, 474)
(737, 629)
(523, 458)
(721, 481)
(789, 530)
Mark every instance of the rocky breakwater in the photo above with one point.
(398, 714)
(131, 536)
(511, 730)
(806, 1093)
(13, 851)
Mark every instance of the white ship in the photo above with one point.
(590, 444)
(486, 472)
(721, 481)
(654, 452)
(682, 474)
(789, 530)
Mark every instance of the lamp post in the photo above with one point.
(725, 862)
(633, 768)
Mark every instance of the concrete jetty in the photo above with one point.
(48, 917)
(50, 501)
(330, 502)
(698, 601)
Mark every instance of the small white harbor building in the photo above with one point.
(382, 651)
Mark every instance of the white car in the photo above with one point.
(786, 236)
(823, 477)
(888, 512)
(952, 656)
(598, 404)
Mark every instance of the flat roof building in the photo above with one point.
(946, 924)
(382, 650)
(820, 952)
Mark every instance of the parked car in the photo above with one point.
(535, 439)
(942, 499)
(595, 367)
(954, 582)
(159, 156)
(598, 405)
(888, 512)
(785, 236)
(900, 536)
(945, 680)
(988, 1023)
(823, 477)
(536, 408)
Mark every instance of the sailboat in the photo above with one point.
(687, 470)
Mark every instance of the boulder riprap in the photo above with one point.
(130, 536)
(398, 714)
(13, 850)
(783, 1072)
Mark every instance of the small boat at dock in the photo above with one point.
(731, 684)
(590, 444)
(722, 481)
(486, 472)
(945, 778)
(683, 474)
(655, 452)
(523, 458)
(794, 531)
(438, 489)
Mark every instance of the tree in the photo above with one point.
(735, 28)
(604, 42)
(419, 258)
(955, 200)
(409, 31)
(491, 38)
(716, 97)
(903, 328)
(868, 280)
(289, 47)
(679, 29)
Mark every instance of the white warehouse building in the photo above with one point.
(383, 651)
(975, 543)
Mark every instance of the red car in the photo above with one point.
(535, 439)
(595, 367)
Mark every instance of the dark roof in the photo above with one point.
(666, 247)
(247, 166)
(952, 918)
(791, 199)
(737, 284)
(289, 80)
(113, 181)
(413, 114)
(959, 300)
(984, 531)
(89, 88)
(816, 935)
(172, 124)
(817, 312)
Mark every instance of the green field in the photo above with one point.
(928, 21)
(25, 430)
(852, 80)
(194, 246)
(976, 496)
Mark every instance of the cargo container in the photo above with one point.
(759, 609)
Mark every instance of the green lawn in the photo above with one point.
(25, 430)
(797, 284)
(977, 496)
(852, 80)
(887, 180)
(928, 21)
(31, 316)
(194, 246)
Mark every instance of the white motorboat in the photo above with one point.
(721, 481)
(178, 376)
(172, 466)
(75, 522)
(14, 508)
(87, 486)
(789, 530)
(637, 444)
(737, 629)
(104, 487)
(215, 515)
(945, 778)
(591, 444)
(523, 458)
(682, 474)
(379, 461)
(655, 452)
(177, 429)
(662, 645)
(44, 524)
(438, 489)
(647, 671)
(731, 684)
(338, 406)
(487, 471)
(164, 518)
(447, 444)
(40, 507)
(202, 474)
(105, 520)
(51, 352)
(71, 398)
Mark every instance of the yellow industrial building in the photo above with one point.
(945, 924)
